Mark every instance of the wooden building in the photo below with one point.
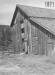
(35, 29)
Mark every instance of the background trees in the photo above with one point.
(6, 39)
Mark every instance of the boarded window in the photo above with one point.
(22, 39)
(22, 30)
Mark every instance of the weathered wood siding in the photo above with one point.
(42, 41)
(34, 36)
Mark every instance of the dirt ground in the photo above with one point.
(16, 64)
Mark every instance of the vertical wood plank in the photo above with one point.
(30, 39)
(25, 24)
(34, 36)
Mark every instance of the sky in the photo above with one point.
(7, 8)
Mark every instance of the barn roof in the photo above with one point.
(42, 16)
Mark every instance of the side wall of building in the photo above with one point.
(42, 40)
(17, 33)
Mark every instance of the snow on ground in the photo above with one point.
(26, 65)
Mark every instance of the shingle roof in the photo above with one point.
(44, 17)
(37, 11)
